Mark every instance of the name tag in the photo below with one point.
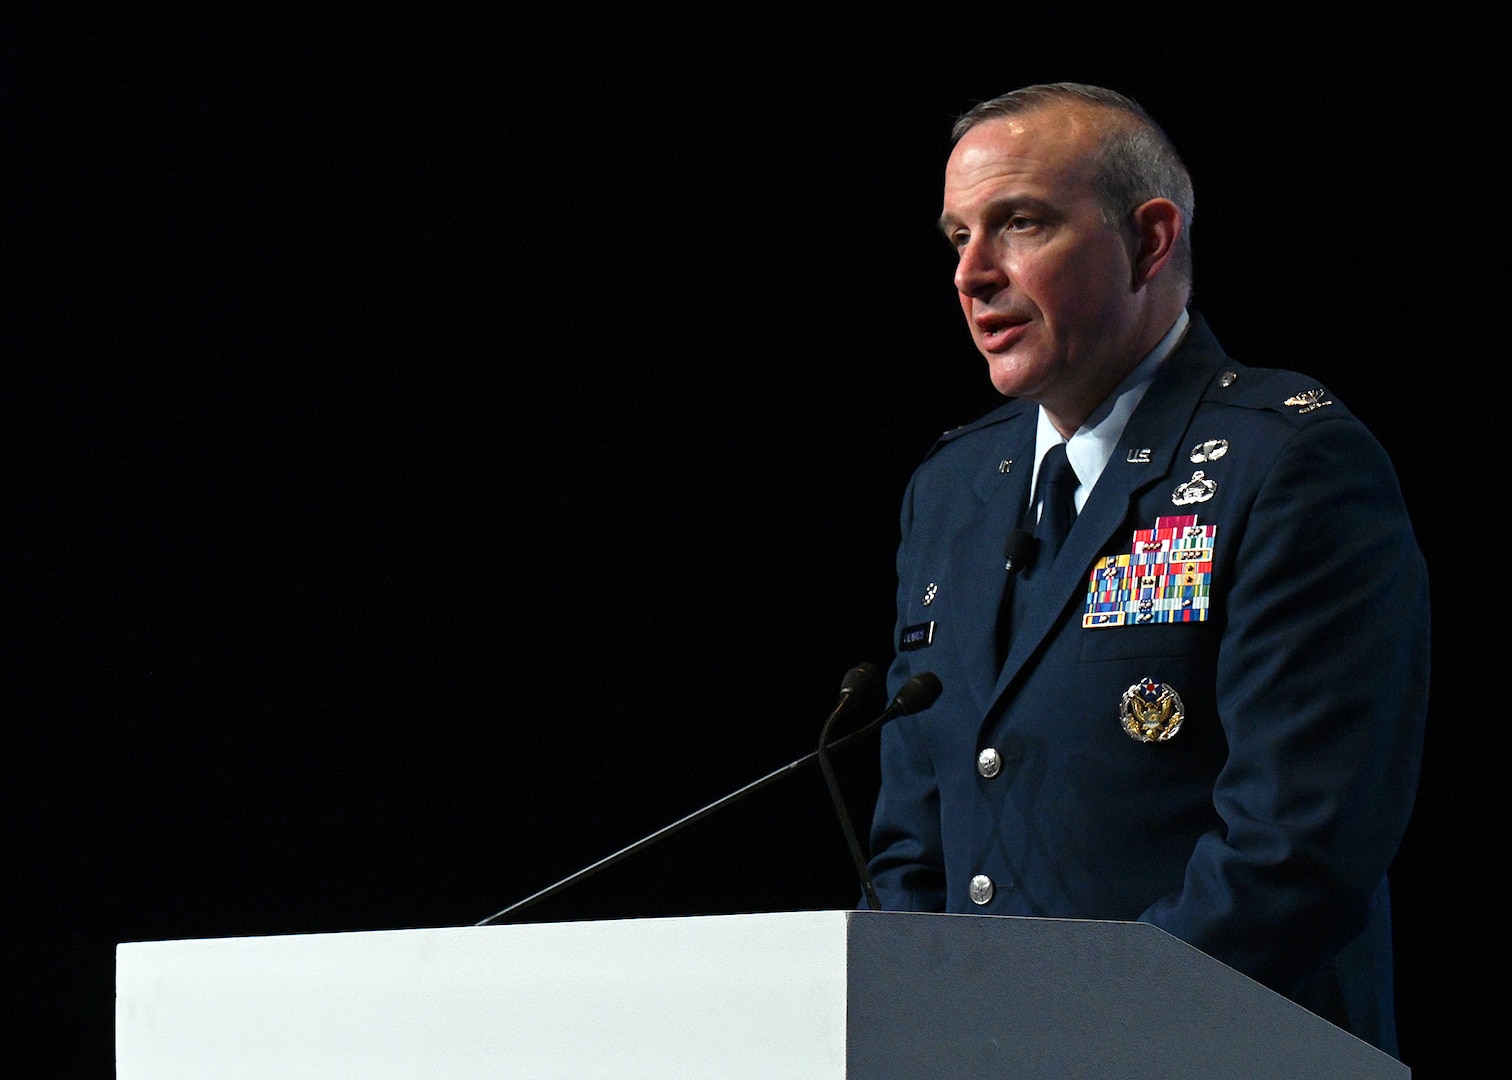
(918, 636)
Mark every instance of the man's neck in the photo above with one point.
(1091, 445)
(1069, 416)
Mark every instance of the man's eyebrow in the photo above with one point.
(1002, 208)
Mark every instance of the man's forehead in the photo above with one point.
(1061, 136)
(1049, 148)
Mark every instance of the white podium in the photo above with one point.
(819, 995)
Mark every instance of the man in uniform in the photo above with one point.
(1175, 602)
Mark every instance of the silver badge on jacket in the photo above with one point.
(1198, 489)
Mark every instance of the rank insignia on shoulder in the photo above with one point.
(1308, 400)
(1151, 711)
(1166, 577)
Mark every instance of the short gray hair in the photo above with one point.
(1137, 160)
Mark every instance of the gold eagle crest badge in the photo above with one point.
(1151, 711)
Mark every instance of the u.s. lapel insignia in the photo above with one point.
(1151, 711)
(1198, 489)
(1166, 577)
(1308, 400)
(1211, 450)
(1140, 456)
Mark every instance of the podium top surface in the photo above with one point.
(825, 994)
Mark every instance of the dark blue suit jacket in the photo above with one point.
(1261, 831)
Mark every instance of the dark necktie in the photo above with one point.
(1057, 485)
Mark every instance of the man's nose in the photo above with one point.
(978, 271)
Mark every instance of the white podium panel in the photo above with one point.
(817, 995)
(734, 996)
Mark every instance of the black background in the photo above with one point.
(442, 450)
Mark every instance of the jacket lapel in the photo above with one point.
(976, 552)
(1157, 426)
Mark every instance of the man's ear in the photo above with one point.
(1156, 225)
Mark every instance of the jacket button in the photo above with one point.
(981, 889)
(989, 763)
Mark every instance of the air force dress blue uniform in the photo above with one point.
(1210, 714)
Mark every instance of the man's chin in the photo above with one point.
(1008, 375)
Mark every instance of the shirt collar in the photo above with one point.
(1092, 445)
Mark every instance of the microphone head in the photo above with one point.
(918, 694)
(862, 685)
(861, 678)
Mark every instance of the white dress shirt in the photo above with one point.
(1091, 446)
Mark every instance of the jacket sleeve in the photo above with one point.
(1321, 686)
(908, 867)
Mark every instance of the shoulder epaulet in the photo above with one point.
(1287, 393)
(1000, 415)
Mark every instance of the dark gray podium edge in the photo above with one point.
(934, 996)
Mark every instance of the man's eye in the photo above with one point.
(1019, 224)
